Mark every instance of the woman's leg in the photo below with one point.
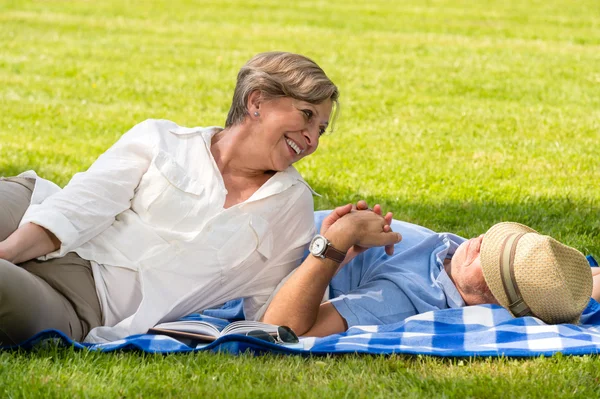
(62, 297)
(72, 278)
(37, 295)
(29, 305)
(15, 195)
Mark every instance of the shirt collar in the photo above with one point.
(206, 132)
(453, 297)
(278, 183)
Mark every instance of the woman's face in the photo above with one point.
(289, 129)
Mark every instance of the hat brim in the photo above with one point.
(553, 281)
(491, 246)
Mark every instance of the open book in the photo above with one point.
(203, 331)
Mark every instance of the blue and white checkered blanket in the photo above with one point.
(486, 330)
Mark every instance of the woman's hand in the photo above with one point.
(362, 206)
(356, 230)
(334, 216)
(365, 229)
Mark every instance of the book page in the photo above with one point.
(244, 326)
(183, 336)
(190, 326)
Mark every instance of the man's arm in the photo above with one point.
(329, 321)
(298, 302)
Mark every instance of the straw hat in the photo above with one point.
(532, 274)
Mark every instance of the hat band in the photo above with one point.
(507, 273)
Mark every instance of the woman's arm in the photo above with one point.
(88, 204)
(298, 302)
(28, 242)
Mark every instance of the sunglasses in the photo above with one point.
(283, 335)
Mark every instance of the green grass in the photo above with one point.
(455, 115)
(63, 372)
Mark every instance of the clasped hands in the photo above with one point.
(354, 228)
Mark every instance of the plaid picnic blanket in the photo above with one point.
(485, 330)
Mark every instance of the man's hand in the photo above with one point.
(334, 216)
(362, 206)
(354, 231)
(339, 212)
(298, 302)
(365, 229)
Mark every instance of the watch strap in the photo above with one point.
(334, 254)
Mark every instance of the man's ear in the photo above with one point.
(254, 101)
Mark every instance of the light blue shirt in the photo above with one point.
(375, 288)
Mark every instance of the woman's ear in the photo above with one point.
(254, 101)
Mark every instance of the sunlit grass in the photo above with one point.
(455, 115)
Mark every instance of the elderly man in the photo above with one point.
(511, 265)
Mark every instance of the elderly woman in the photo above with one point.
(170, 220)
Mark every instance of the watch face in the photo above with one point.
(317, 246)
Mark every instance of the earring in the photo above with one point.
(256, 114)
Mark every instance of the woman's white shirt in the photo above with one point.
(153, 204)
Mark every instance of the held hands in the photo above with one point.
(356, 228)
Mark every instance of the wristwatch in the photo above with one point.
(322, 248)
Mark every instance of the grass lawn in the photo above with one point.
(455, 115)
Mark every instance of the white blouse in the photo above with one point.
(153, 204)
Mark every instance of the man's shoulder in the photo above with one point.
(411, 229)
(420, 254)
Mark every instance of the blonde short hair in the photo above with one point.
(280, 74)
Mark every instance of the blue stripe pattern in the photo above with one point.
(484, 330)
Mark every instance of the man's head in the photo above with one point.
(523, 271)
(467, 274)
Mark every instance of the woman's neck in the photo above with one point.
(231, 150)
(240, 176)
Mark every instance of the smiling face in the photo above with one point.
(466, 273)
(287, 130)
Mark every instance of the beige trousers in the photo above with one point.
(38, 295)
